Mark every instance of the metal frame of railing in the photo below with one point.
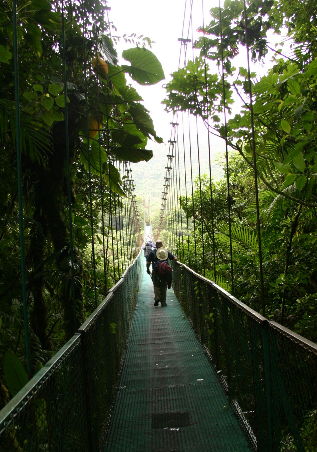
(268, 371)
(65, 406)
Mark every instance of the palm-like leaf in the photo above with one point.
(241, 236)
(34, 137)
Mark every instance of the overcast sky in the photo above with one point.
(161, 21)
(164, 22)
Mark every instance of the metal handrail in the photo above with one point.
(300, 340)
(22, 398)
(36, 389)
(267, 370)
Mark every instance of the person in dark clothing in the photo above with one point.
(148, 247)
(158, 254)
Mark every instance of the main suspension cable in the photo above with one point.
(254, 156)
(224, 112)
(19, 173)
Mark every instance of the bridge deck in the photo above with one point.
(169, 398)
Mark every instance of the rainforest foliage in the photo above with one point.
(276, 129)
(66, 104)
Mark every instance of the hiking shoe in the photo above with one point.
(156, 302)
(163, 305)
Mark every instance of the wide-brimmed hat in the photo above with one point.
(162, 254)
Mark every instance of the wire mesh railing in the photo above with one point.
(66, 405)
(268, 371)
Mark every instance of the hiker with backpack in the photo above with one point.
(161, 272)
(148, 247)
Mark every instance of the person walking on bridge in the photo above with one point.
(156, 258)
(148, 247)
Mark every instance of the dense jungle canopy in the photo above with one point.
(70, 123)
(271, 144)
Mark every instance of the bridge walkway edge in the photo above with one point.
(169, 396)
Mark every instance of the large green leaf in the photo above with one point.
(299, 162)
(108, 49)
(118, 80)
(113, 179)
(15, 375)
(145, 67)
(93, 156)
(300, 182)
(131, 154)
(285, 125)
(117, 77)
(289, 180)
(129, 136)
(142, 120)
(34, 36)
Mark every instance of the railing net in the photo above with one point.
(269, 372)
(65, 406)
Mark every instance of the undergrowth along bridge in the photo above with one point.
(249, 385)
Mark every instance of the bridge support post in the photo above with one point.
(86, 392)
(267, 438)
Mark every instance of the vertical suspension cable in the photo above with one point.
(192, 184)
(111, 220)
(102, 167)
(173, 196)
(23, 278)
(107, 257)
(224, 110)
(129, 214)
(201, 201)
(190, 149)
(253, 147)
(165, 194)
(120, 225)
(102, 206)
(124, 217)
(199, 168)
(213, 242)
(185, 182)
(180, 237)
(92, 228)
(116, 250)
(133, 214)
(90, 183)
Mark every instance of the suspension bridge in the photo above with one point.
(208, 371)
(222, 377)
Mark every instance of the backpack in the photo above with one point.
(147, 250)
(164, 271)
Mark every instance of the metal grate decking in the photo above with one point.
(169, 397)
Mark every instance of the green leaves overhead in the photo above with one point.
(128, 103)
(285, 126)
(95, 161)
(194, 89)
(132, 154)
(299, 162)
(55, 88)
(93, 156)
(145, 67)
(113, 179)
(143, 121)
(129, 135)
(282, 120)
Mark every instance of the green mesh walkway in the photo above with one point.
(169, 397)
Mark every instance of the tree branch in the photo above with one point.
(261, 177)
